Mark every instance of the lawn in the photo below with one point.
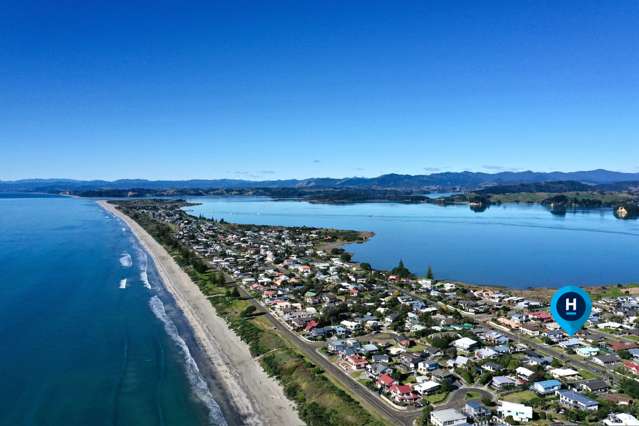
(472, 395)
(520, 397)
(437, 398)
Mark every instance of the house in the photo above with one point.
(375, 370)
(546, 387)
(310, 325)
(570, 343)
(519, 412)
(524, 374)
(427, 387)
(443, 376)
(530, 329)
(460, 361)
(563, 373)
(485, 353)
(465, 344)
(447, 417)
(356, 362)
(587, 351)
(424, 367)
(622, 346)
(492, 367)
(606, 360)
(476, 410)
(403, 394)
(403, 340)
(502, 382)
(384, 381)
(383, 358)
(352, 325)
(594, 386)
(620, 419)
(543, 316)
(368, 349)
(576, 400)
(410, 360)
(632, 366)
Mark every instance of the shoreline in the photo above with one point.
(258, 398)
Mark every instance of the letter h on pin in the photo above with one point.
(571, 306)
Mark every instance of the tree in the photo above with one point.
(425, 418)
(401, 271)
(429, 273)
(248, 311)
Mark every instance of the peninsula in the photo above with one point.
(354, 345)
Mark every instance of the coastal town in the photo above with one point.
(417, 349)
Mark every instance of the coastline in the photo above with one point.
(257, 397)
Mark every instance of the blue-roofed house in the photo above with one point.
(576, 400)
(476, 410)
(546, 387)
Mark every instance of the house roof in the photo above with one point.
(447, 415)
(595, 384)
(577, 397)
(548, 384)
(400, 389)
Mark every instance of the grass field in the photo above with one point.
(520, 397)
(437, 397)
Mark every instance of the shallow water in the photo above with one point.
(511, 245)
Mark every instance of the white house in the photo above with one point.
(465, 344)
(448, 417)
(426, 388)
(621, 419)
(519, 412)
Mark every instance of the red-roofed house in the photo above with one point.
(542, 316)
(403, 394)
(632, 366)
(385, 381)
(622, 346)
(310, 325)
(356, 362)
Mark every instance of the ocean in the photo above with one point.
(511, 245)
(89, 336)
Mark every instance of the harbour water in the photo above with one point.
(89, 336)
(511, 245)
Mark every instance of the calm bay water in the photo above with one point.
(76, 348)
(511, 245)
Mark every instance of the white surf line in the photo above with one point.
(123, 283)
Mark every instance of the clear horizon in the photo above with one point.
(244, 90)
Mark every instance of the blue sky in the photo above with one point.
(266, 90)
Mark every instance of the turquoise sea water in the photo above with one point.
(511, 245)
(76, 348)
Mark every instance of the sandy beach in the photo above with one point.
(258, 398)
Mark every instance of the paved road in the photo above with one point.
(365, 396)
(457, 398)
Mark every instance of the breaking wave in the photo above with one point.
(125, 260)
(123, 283)
(144, 264)
(200, 388)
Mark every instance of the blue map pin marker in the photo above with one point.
(570, 306)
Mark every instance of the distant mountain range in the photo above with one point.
(437, 181)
